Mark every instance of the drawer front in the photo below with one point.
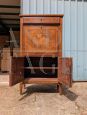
(50, 20)
(46, 20)
(32, 20)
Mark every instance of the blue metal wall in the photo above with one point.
(74, 28)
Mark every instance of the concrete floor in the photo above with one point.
(43, 100)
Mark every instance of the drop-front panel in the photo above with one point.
(41, 35)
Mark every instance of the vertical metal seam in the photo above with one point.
(29, 7)
(57, 6)
(43, 6)
(83, 36)
(77, 37)
(64, 28)
(50, 6)
(36, 6)
(70, 28)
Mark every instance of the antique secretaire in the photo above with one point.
(41, 60)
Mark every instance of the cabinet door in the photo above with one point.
(65, 71)
(16, 70)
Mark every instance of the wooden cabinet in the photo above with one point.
(41, 58)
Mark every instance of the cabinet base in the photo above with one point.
(23, 86)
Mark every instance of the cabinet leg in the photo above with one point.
(21, 88)
(60, 89)
(57, 88)
(24, 86)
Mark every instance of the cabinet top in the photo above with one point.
(42, 15)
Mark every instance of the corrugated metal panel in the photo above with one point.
(74, 28)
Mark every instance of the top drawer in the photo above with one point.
(51, 20)
(46, 20)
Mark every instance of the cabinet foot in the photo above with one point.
(24, 86)
(60, 89)
(21, 88)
